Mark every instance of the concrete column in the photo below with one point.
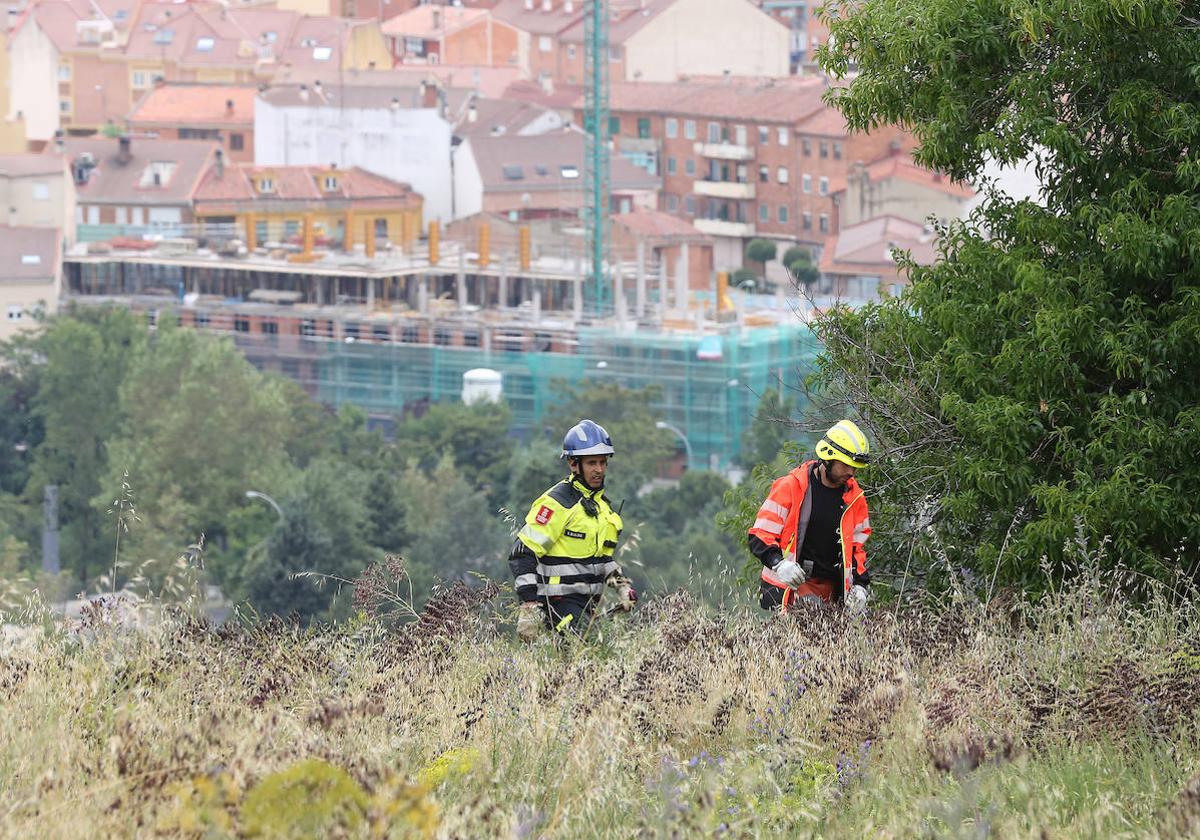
(460, 281)
(502, 286)
(423, 295)
(640, 300)
(537, 304)
(371, 293)
(662, 287)
(681, 280)
(577, 298)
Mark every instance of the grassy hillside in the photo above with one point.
(1076, 718)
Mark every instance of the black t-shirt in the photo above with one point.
(821, 543)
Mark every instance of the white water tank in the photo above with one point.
(482, 385)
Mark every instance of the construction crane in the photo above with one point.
(597, 158)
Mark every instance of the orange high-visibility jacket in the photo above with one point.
(783, 520)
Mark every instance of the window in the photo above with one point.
(806, 146)
(237, 142)
(291, 227)
(806, 220)
(823, 223)
(331, 183)
(409, 335)
(782, 175)
(379, 332)
(672, 128)
(670, 166)
(513, 172)
(441, 337)
(260, 230)
(714, 132)
(823, 186)
(764, 135)
(241, 325)
(205, 44)
(824, 148)
(470, 338)
(322, 53)
(200, 319)
(837, 150)
(544, 43)
(689, 205)
(64, 72)
(157, 174)
(643, 125)
(806, 183)
(31, 259)
(266, 185)
(268, 328)
(764, 174)
(783, 135)
(41, 191)
(569, 171)
(13, 312)
(139, 78)
(764, 213)
(739, 134)
(689, 129)
(615, 54)
(689, 166)
(783, 214)
(122, 215)
(614, 126)
(672, 202)
(571, 51)
(64, 106)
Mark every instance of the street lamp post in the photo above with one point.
(254, 494)
(687, 446)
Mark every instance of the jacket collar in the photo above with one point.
(810, 469)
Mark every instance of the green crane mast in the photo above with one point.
(597, 157)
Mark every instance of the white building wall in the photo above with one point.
(33, 63)
(22, 300)
(409, 145)
(708, 38)
(468, 182)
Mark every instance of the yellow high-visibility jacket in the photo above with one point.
(566, 545)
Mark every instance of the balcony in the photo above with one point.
(724, 189)
(724, 151)
(719, 227)
(644, 145)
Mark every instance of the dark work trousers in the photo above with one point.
(570, 612)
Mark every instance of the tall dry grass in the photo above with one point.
(1076, 717)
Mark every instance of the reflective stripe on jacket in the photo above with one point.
(782, 522)
(562, 549)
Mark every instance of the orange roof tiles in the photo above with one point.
(432, 21)
(753, 100)
(182, 104)
(236, 184)
(905, 168)
(652, 223)
(868, 245)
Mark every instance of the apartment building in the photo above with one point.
(36, 190)
(80, 65)
(189, 111)
(743, 158)
(30, 276)
(435, 34)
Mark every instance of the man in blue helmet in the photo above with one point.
(563, 556)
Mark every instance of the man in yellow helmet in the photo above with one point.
(811, 529)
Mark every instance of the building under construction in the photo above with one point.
(392, 330)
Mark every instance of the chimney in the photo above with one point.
(303, 93)
(229, 107)
(395, 103)
(472, 113)
(219, 164)
(429, 95)
(124, 150)
(437, 18)
(318, 89)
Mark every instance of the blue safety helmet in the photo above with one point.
(586, 438)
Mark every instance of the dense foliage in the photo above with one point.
(1039, 386)
(166, 430)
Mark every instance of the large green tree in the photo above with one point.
(1039, 386)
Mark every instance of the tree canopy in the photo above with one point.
(1037, 387)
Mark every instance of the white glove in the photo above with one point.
(789, 573)
(856, 600)
(530, 621)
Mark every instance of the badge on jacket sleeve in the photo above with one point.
(543, 515)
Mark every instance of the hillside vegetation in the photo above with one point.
(1076, 717)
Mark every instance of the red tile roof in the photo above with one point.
(654, 224)
(203, 105)
(236, 184)
(432, 21)
(28, 253)
(787, 101)
(115, 182)
(544, 161)
(536, 20)
(904, 168)
(867, 246)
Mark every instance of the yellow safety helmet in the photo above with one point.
(845, 442)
